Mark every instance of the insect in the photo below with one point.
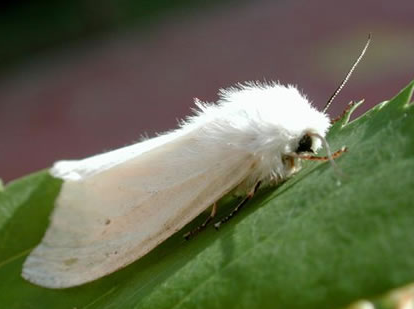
(115, 207)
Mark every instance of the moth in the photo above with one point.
(115, 207)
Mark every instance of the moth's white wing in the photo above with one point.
(110, 219)
(79, 169)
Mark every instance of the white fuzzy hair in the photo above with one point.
(264, 119)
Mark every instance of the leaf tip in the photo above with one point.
(404, 96)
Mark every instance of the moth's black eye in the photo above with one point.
(305, 144)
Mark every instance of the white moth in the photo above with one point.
(115, 207)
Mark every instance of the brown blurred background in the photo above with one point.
(80, 77)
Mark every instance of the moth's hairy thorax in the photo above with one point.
(263, 120)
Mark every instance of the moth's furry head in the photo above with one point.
(265, 119)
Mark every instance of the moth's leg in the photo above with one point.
(239, 206)
(350, 105)
(190, 234)
(335, 155)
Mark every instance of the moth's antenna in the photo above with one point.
(338, 90)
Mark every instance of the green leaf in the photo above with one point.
(310, 243)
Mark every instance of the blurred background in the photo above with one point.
(84, 76)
